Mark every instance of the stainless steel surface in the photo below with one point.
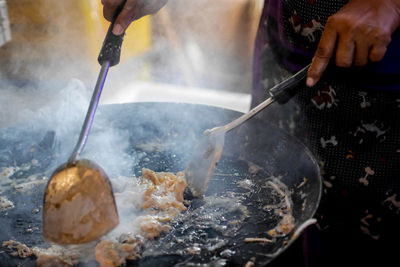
(91, 111)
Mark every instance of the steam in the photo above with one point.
(64, 116)
(48, 77)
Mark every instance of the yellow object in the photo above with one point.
(136, 41)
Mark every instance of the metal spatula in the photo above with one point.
(79, 204)
(208, 150)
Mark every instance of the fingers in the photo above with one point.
(322, 56)
(358, 33)
(132, 10)
(125, 17)
(345, 51)
(377, 53)
(379, 48)
(110, 7)
(352, 48)
(361, 53)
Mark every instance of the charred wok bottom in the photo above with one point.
(229, 225)
(246, 211)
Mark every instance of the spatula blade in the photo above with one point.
(205, 158)
(79, 204)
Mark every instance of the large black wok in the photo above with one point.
(240, 202)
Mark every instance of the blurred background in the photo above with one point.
(190, 51)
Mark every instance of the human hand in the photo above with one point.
(132, 10)
(358, 33)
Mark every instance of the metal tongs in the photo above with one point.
(208, 150)
(79, 204)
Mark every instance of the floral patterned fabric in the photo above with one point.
(352, 129)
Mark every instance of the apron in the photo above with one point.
(353, 129)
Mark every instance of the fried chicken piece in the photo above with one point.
(107, 255)
(286, 225)
(150, 175)
(46, 260)
(165, 184)
(180, 186)
(111, 254)
(17, 249)
(152, 228)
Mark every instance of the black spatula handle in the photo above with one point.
(111, 49)
(285, 90)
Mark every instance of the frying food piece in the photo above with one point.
(283, 209)
(17, 249)
(171, 183)
(49, 257)
(150, 175)
(249, 264)
(286, 225)
(109, 254)
(47, 260)
(5, 204)
(165, 194)
(162, 201)
(152, 228)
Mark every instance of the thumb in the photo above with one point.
(325, 49)
(125, 17)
